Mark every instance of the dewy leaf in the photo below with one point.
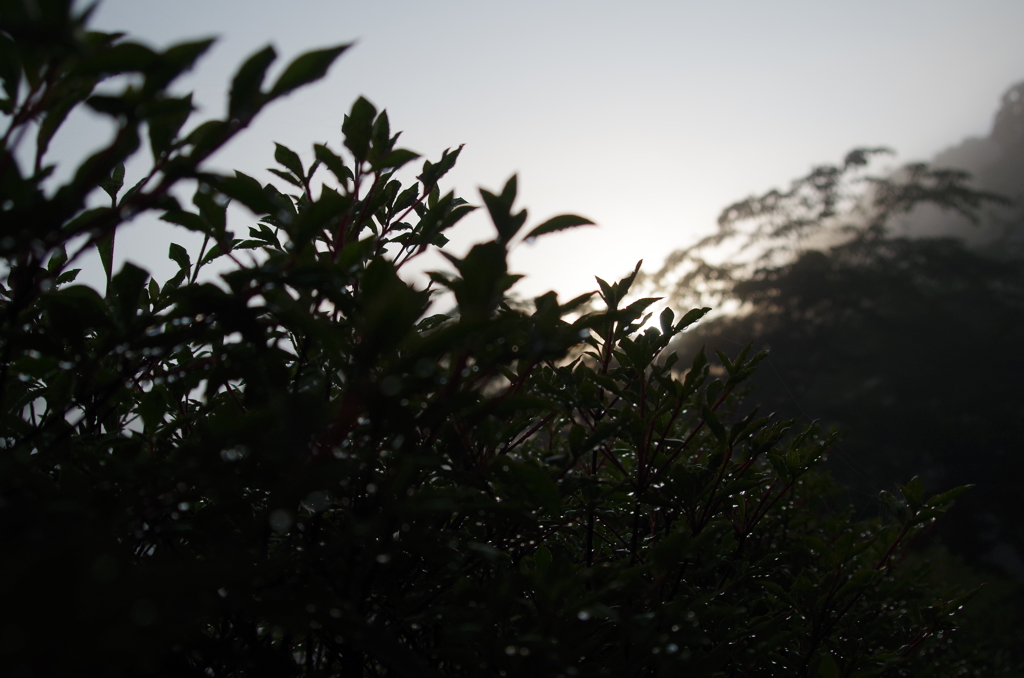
(946, 497)
(559, 223)
(913, 492)
(305, 69)
(692, 316)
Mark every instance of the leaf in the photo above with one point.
(290, 159)
(406, 199)
(607, 294)
(380, 140)
(152, 408)
(333, 162)
(713, 423)
(500, 208)
(432, 172)
(828, 667)
(287, 176)
(105, 246)
(947, 497)
(728, 364)
(577, 436)
(165, 119)
(57, 260)
(10, 67)
(559, 223)
(542, 558)
(691, 317)
(112, 186)
(622, 287)
(305, 69)
(189, 220)
(246, 96)
(211, 206)
(67, 276)
(537, 483)
(397, 158)
(174, 61)
(431, 322)
(486, 550)
(243, 189)
(311, 222)
(180, 256)
(125, 57)
(913, 492)
(82, 222)
(126, 291)
(207, 137)
(358, 128)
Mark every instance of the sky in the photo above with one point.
(647, 117)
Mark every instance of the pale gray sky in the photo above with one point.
(647, 117)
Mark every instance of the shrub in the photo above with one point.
(295, 470)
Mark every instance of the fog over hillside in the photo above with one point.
(996, 162)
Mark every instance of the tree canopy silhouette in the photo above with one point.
(885, 324)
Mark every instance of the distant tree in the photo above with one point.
(911, 345)
(295, 470)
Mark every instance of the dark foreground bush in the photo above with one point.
(295, 470)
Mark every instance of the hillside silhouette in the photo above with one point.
(995, 163)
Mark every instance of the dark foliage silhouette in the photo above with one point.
(292, 469)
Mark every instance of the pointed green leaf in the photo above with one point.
(559, 223)
(305, 69)
(358, 128)
(333, 163)
(398, 158)
(112, 186)
(290, 159)
(179, 255)
(246, 95)
(105, 246)
(665, 320)
(691, 317)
